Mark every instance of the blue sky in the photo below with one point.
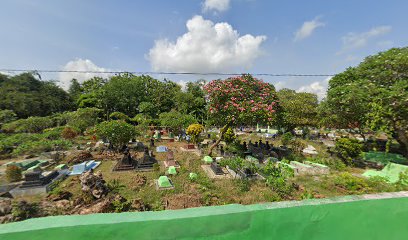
(130, 35)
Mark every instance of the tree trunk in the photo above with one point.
(223, 130)
(402, 139)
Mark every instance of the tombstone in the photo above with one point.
(250, 143)
(244, 146)
(222, 151)
(189, 146)
(151, 142)
(126, 163)
(256, 144)
(170, 162)
(216, 169)
(267, 146)
(37, 179)
(261, 145)
(146, 162)
(208, 136)
(161, 149)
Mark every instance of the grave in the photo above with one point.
(190, 147)
(84, 167)
(164, 183)
(61, 167)
(146, 162)
(310, 150)
(37, 182)
(126, 163)
(303, 169)
(172, 170)
(170, 162)
(161, 149)
(216, 169)
(208, 160)
(319, 168)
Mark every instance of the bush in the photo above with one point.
(35, 147)
(119, 116)
(23, 210)
(84, 118)
(297, 146)
(280, 186)
(243, 185)
(29, 125)
(69, 133)
(115, 186)
(347, 149)
(229, 136)
(52, 133)
(117, 132)
(13, 173)
(233, 163)
(349, 182)
(7, 116)
(194, 130)
(286, 138)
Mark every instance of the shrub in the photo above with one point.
(347, 149)
(52, 133)
(13, 173)
(115, 186)
(349, 182)
(34, 147)
(119, 116)
(194, 130)
(233, 163)
(286, 138)
(29, 125)
(229, 136)
(23, 210)
(117, 132)
(280, 186)
(243, 185)
(84, 118)
(69, 133)
(297, 146)
(7, 116)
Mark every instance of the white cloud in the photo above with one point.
(359, 40)
(319, 88)
(80, 65)
(308, 28)
(216, 5)
(205, 47)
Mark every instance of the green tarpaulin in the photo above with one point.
(391, 171)
(164, 182)
(208, 159)
(172, 170)
(193, 176)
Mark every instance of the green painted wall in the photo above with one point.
(384, 219)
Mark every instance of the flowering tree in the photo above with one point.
(240, 100)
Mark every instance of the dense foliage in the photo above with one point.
(117, 132)
(373, 95)
(27, 96)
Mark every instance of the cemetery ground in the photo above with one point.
(137, 190)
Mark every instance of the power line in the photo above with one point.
(168, 73)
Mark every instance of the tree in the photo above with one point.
(117, 132)
(176, 120)
(7, 116)
(240, 100)
(298, 109)
(13, 173)
(28, 96)
(374, 95)
(194, 130)
(75, 89)
(83, 118)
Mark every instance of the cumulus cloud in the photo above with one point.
(216, 5)
(81, 65)
(359, 40)
(319, 88)
(206, 47)
(308, 28)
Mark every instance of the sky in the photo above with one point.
(204, 36)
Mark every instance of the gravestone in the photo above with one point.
(126, 163)
(146, 162)
(170, 162)
(216, 169)
(190, 146)
(36, 179)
